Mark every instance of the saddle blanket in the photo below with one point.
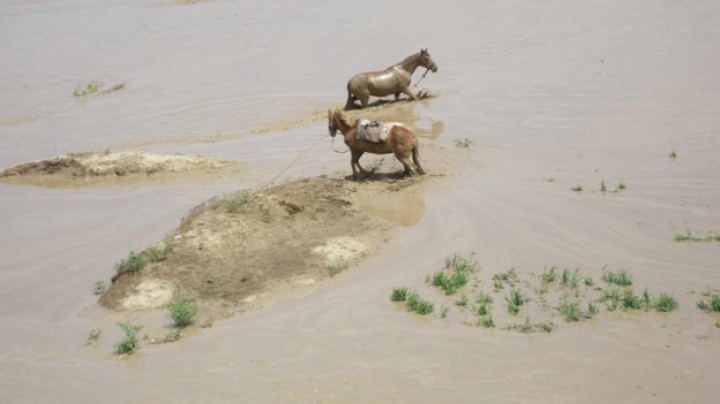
(374, 131)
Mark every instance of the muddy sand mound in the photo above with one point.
(80, 169)
(238, 249)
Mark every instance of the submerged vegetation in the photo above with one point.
(130, 343)
(574, 296)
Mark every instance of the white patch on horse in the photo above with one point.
(374, 131)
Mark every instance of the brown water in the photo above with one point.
(574, 91)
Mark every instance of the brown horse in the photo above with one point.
(393, 80)
(400, 141)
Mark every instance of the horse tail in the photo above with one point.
(416, 157)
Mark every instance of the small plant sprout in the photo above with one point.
(548, 275)
(589, 281)
(134, 264)
(486, 321)
(93, 336)
(463, 142)
(611, 297)
(687, 236)
(672, 154)
(621, 186)
(399, 295)
(462, 302)
(130, 343)
(509, 276)
(100, 288)
(443, 312)
(603, 188)
(646, 300)
(515, 300)
(90, 88)
(182, 311)
(460, 264)
(577, 188)
(484, 302)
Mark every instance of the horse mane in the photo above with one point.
(344, 119)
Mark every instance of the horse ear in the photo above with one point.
(424, 50)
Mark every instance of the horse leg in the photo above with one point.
(350, 104)
(355, 162)
(405, 160)
(409, 93)
(416, 159)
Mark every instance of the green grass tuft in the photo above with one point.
(486, 321)
(159, 252)
(548, 275)
(577, 188)
(134, 264)
(572, 311)
(418, 305)
(666, 303)
(399, 295)
(515, 300)
(182, 311)
(711, 303)
(620, 277)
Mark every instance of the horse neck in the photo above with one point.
(344, 127)
(410, 63)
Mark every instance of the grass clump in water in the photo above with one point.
(500, 279)
(711, 301)
(418, 305)
(548, 275)
(455, 274)
(620, 277)
(399, 295)
(573, 312)
(130, 343)
(666, 303)
(515, 300)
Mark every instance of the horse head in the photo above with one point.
(426, 61)
(332, 125)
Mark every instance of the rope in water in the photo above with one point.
(298, 157)
(332, 146)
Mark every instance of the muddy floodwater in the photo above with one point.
(618, 100)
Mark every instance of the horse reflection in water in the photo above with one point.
(393, 80)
